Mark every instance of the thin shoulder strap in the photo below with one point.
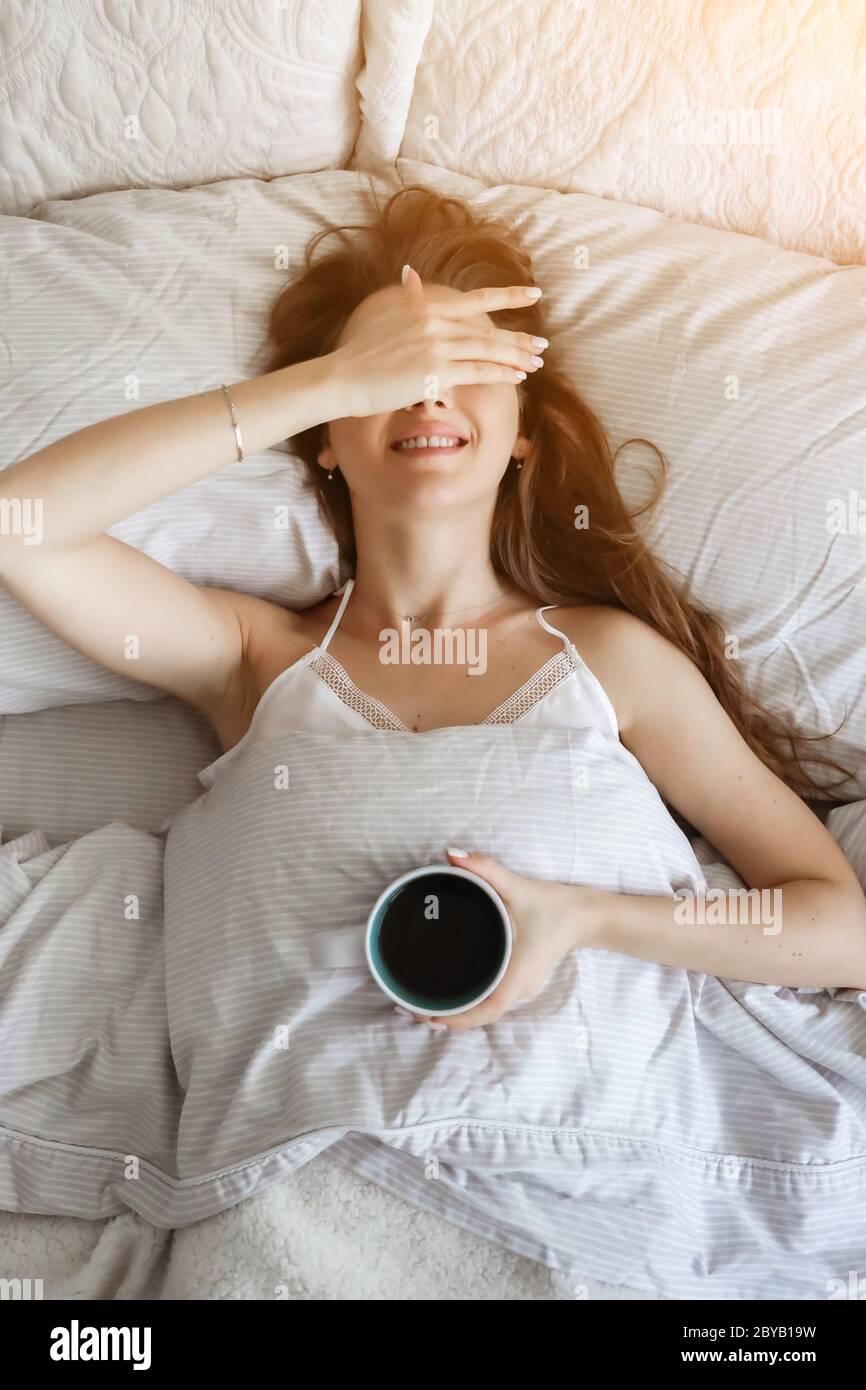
(566, 641)
(350, 583)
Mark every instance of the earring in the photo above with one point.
(330, 477)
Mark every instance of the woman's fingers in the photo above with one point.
(500, 346)
(471, 373)
(490, 1010)
(390, 362)
(497, 345)
(477, 362)
(412, 284)
(489, 300)
(473, 302)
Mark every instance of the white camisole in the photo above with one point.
(316, 695)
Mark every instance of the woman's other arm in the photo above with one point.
(806, 925)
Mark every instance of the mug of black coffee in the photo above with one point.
(437, 941)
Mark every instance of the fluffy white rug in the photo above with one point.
(324, 1233)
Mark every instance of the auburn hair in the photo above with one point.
(569, 465)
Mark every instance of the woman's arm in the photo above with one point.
(97, 476)
(107, 471)
(810, 932)
(131, 614)
(808, 925)
(110, 601)
(822, 945)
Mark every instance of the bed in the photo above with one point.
(680, 314)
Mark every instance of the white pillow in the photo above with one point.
(393, 33)
(174, 93)
(186, 315)
(67, 771)
(748, 117)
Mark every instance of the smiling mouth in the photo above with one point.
(413, 449)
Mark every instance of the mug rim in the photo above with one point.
(390, 889)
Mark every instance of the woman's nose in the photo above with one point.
(444, 400)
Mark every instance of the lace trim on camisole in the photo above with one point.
(333, 674)
(555, 670)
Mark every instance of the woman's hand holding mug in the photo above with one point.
(460, 957)
(548, 919)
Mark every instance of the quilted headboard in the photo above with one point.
(96, 97)
(747, 116)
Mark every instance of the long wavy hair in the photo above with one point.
(570, 463)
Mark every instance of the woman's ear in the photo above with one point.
(325, 456)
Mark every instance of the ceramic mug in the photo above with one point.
(437, 941)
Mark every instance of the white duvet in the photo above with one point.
(633, 1120)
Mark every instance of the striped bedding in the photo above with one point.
(651, 1126)
(743, 362)
(688, 335)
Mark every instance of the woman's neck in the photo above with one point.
(387, 594)
(428, 572)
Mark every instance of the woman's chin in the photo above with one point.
(432, 486)
(426, 470)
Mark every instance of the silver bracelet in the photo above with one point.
(238, 439)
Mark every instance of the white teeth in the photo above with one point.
(435, 441)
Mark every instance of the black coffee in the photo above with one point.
(442, 937)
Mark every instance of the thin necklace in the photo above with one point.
(446, 612)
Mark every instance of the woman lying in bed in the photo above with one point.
(469, 490)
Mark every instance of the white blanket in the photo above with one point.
(324, 1233)
(633, 1119)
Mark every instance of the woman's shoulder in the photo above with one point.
(277, 636)
(600, 623)
(621, 650)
